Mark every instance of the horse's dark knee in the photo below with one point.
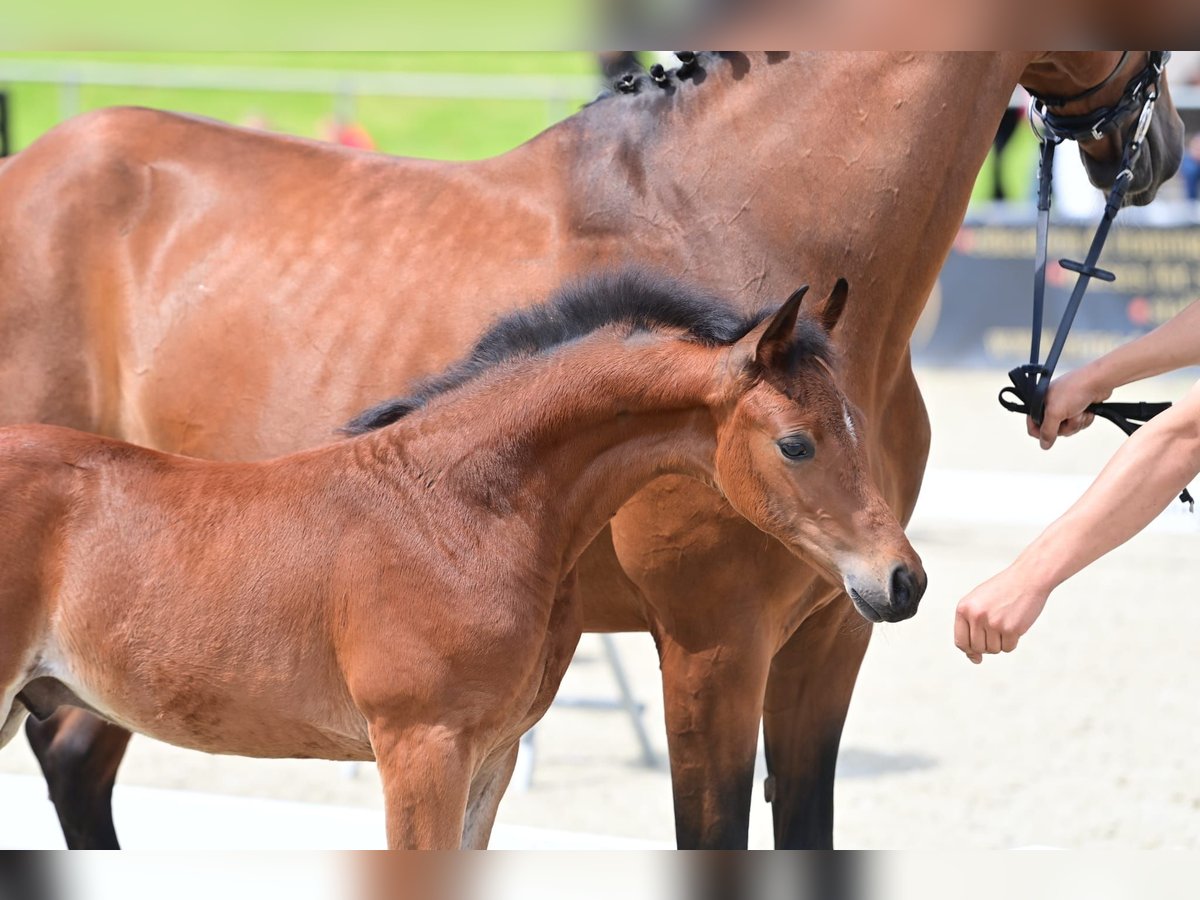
(721, 819)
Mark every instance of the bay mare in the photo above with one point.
(408, 595)
(224, 293)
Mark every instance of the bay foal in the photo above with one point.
(408, 594)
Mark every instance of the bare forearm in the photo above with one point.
(1173, 345)
(1140, 480)
(1142, 477)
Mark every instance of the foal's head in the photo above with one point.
(791, 459)
(788, 453)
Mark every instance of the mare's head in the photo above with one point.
(1080, 87)
(791, 458)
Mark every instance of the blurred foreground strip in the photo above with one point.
(1163, 875)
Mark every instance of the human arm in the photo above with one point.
(1173, 345)
(1139, 481)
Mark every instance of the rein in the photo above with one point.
(1031, 382)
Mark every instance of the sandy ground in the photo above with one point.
(1085, 737)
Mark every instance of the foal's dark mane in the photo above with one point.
(634, 298)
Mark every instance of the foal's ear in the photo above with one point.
(769, 343)
(835, 303)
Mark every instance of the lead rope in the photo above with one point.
(1031, 382)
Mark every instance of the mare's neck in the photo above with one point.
(547, 450)
(803, 170)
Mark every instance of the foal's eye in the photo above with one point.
(796, 448)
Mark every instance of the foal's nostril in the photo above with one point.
(900, 589)
(906, 591)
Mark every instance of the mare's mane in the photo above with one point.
(634, 298)
(694, 66)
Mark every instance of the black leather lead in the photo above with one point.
(1031, 382)
(1129, 417)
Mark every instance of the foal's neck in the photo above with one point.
(551, 447)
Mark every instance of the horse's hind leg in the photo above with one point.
(487, 790)
(808, 695)
(79, 754)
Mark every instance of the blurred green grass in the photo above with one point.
(430, 127)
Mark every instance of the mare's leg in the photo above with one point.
(486, 792)
(713, 700)
(426, 772)
(719, 598)
(808, 694)
(79, 754)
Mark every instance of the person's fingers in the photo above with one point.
(978, 636)
(1009, 643)
(1031, 427)
(962, 636)
(1068, 427)
(1076, 424)
(992, 640)
(962, 632)
(1049, 431)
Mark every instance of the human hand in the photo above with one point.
(1067, 401)
(994, 616)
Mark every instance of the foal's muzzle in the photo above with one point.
(894, 601)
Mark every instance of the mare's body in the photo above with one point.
(207, 290)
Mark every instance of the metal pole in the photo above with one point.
(632, 708)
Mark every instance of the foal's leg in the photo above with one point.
(808, 694)
(79, 754)
(426, 773)
(487, 790)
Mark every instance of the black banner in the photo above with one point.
(980, 312)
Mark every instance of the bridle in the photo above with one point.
(1141, 90)
(1030, 382)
